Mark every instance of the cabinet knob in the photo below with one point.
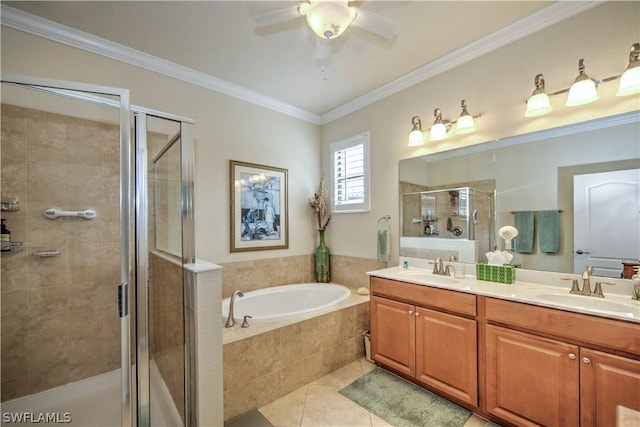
(410, 312)
(572, 356)
(416, 314)
(586, 360)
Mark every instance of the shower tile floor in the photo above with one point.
(319, 404)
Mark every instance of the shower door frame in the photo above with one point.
(82, 91)
(142, 261)
(138, 415)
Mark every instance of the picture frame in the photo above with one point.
(259, 207)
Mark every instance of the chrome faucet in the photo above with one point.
(230, 320)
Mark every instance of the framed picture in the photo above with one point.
(259, 207)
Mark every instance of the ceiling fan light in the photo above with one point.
(328, 18)
(630, 80)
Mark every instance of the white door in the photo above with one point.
(606, 221)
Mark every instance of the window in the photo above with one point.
(350, 174)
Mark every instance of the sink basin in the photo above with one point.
(592, 303)
(419, 274)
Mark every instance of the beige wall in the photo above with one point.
(226, 129)
(497, 85)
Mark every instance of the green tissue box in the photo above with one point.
(496, 273)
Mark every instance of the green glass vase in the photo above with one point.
(322, 261)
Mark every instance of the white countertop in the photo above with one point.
(614, 306)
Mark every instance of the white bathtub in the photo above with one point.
(285, 302)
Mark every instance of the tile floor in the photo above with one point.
(319, 404)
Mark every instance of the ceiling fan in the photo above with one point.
(329, 18)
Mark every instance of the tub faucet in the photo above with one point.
(230, 320)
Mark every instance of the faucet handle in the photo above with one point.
(245, 321)
(598, 290)
(575, 288)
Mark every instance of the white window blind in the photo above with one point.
(350, 174)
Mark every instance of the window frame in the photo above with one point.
(365, 206)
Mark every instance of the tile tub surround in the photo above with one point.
(265, 365)
(258, 274)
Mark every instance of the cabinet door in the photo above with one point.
(446, 354)
(531, 380)
(393, 334)
(607, 381)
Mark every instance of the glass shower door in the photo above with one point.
(65, 199)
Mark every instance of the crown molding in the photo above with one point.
(31, 24)
(531, 24)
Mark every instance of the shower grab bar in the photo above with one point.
(54, 213)
(45, 254)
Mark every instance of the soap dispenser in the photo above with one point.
(5, 237)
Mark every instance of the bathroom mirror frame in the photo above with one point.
(489, 163)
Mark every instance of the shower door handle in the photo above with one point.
(123, 300)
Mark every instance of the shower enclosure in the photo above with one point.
(96, 325)
(440, 216)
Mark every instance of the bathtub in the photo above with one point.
(285, 302)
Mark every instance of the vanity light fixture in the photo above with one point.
(583, 90)
(416, 137)
(538, 103)
(465, 123)
(439, 128)
(630, 80)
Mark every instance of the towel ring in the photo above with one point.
(387, 222)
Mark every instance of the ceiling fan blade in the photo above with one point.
(376, 24)
(276, 16)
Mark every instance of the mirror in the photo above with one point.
(533, 172)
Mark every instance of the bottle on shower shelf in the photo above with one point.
(5, 238)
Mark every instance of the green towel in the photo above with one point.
(549, 231)
(384, 245)
(524, 224)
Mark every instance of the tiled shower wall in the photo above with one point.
(166, 320)
(59, 318)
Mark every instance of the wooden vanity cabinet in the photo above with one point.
(428, 334)
(393, 330)
(545, 373)
(531, 380)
